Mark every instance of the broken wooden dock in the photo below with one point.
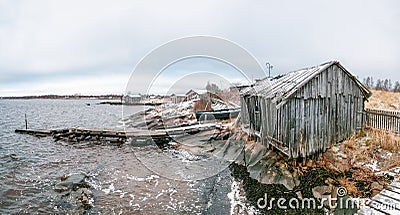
(86, 134)
(386, 202)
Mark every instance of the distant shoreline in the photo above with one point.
(99, 97)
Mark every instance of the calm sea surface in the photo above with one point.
(30, 167)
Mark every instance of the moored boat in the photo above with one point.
(218, 114)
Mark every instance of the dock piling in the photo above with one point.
(26, 123)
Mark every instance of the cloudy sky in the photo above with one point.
(91, 47)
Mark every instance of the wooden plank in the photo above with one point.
(119, 133)
(383, 208)
(395, 184)
(366, 210)
(385, 205)
(393, 194)
(33, 131)
(388, 202)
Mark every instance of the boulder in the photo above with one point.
(335, 149)
(376, 186)
(299, 195)
(321, 191)
(257, 153)
(72, 182)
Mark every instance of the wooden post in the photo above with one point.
(244, 154)
(26, 123)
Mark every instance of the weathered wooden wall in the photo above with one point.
(326, 110)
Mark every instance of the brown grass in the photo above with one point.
(374, 145)
(384, 100)
(385, 139)
(350, 186)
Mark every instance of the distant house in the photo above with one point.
(195, 94)
(177, 98)
(305, 111)
(200, 94)
(133, 99)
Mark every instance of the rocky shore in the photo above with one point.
(364, 165)
(260, 170)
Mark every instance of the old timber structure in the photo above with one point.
(306, 111)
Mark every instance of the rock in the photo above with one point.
(335, 149)
(376, 186)
(62, 187)
(14, 156)
(299, 195)
(257, 153)
(271, 170)
(64, 177)
(72, 182)
(329, 181)
(329, 155)
(85, 198)
(321, 191)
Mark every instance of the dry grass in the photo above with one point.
(385, 139)
(350, 186)
(374, 145)
(384, 100)
(375, 138)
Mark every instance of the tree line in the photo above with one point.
(382, 84)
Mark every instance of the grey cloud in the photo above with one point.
(40, 39)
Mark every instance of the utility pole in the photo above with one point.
(269, 67)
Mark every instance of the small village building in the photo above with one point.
(195, 94)
(133, 99)
(306, 111)
(177, 98)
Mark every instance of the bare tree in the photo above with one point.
(379, 85)
(369, 82)
(212, 88)
(396, 87)
(387, 85)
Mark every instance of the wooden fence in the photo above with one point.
(382, 119)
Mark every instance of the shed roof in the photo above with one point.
(134, 96)
(196, 91)
(282, 87)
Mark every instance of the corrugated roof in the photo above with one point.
(281, 87)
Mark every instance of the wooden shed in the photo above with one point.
(306, 111)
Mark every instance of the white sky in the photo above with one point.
(91, 47)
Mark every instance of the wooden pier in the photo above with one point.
(85, 134)
(386, 202)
